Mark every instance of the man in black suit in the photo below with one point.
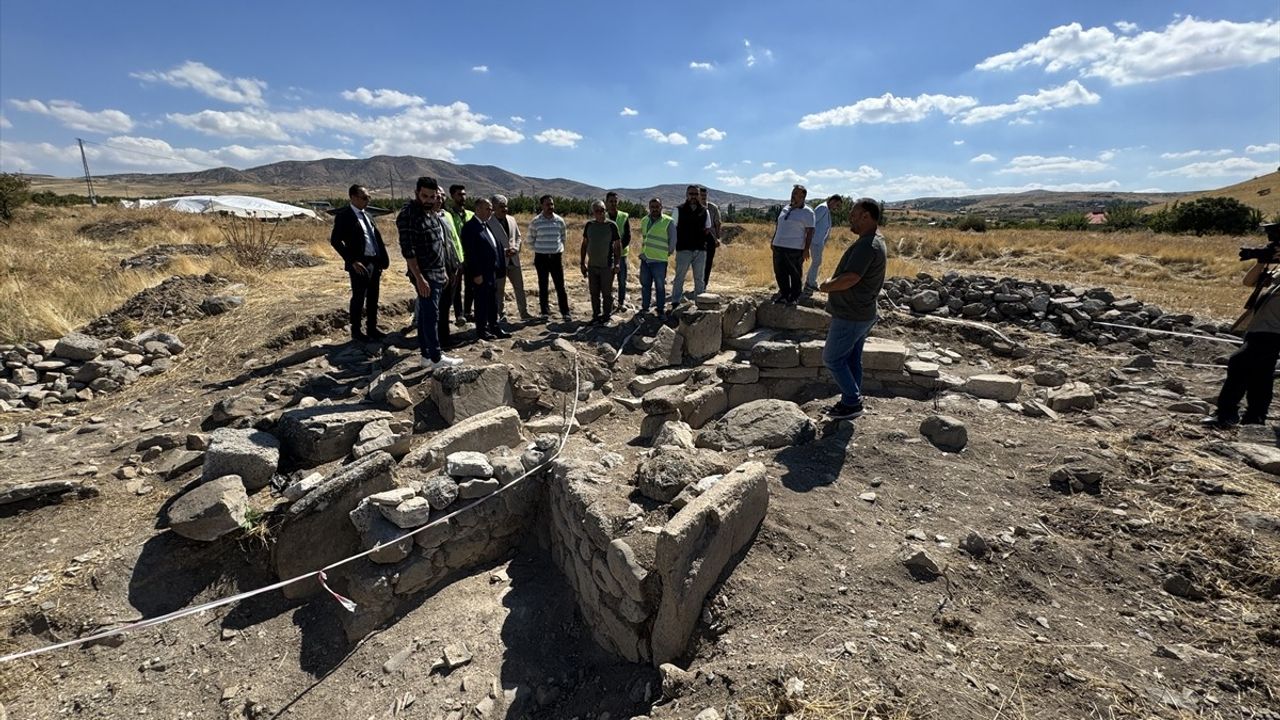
(364, 257)
(483, 261)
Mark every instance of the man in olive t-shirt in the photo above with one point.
(852, 297)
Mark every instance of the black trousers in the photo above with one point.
(786, 270)
(550, 265)
(485, 296)
(364, 297)
(448, 294)
(1250, 375)
(711, 256)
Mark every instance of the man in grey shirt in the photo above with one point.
(852, 294)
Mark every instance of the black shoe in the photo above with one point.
(1218, 423)
(840, 411)
(486, 335)
(375, 334)
(1253, 420)
(777, 298)
(501, 334)
(360, 337)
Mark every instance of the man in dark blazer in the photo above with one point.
(484, 259)
(364, 257)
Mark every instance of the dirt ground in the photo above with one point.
(1066, 617)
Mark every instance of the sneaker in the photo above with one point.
(501, 334)
(840, 411)
(777, 298)
(791, 302)
(1215, 422)
(448, 361)
(567, 317)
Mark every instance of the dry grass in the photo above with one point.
(1186, 274)
(60, 268)
(827, 693)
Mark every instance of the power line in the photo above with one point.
(155, 155)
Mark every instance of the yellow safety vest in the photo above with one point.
(620, 221)
(656, 244)
(458, 222)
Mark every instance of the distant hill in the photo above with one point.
(1262, 192)
(296, 179)
(1030, 204)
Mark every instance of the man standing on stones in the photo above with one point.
(601, 248)
(658, 241)
(547, 235)
(791, 242)
(364, 256)
(713, 242)
(851, 301)
(621, 219)
(459, 214)
(453, 267)
(507, 231)
(693, 233)
(423, 245)
(485, 260)
(821, 231)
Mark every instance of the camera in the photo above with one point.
(1266, 253)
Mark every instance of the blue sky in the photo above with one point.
(892, 100)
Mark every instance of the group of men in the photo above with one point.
(459, 258)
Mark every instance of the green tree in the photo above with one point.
(1072, 221)
(1215, 215)
(976, 223)
(15, 191)
(1123, 216)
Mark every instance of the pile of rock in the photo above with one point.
(1048, 307)
(78, 367)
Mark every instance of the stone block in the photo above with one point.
(768, 423)
(881, 354)
(481, 433)
(375, 530)
(751, 339)
(254, 455)
(739, 395)
(1073, 396)
(675, 433)
(811, 353)
(792, 317)
(770, 354)
(702, 334)
(1000, 388)
(77, 346)
(666, 472)
(478, 488)
(667, 350)
(738, 373)
(945, 432)
(589, 412)
(466, 391)
(211, 510)
(739, 317)
(696, 546)
(468, 464)
(701, 406)
(642, 384)
(789, 373)
(323, 433)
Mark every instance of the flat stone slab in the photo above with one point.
(1000, 388)
(480, 433)
(881, 354)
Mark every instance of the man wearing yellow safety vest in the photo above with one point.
(658, 233)
(621, 219)
(460, 216)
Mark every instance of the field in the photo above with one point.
(60, 268)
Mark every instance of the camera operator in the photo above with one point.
(1251, 369)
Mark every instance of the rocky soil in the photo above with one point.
(1022, 525)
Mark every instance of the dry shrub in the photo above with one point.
(827, 694)
(252, 241)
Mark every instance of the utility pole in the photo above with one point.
(392, 181)
(88, 179)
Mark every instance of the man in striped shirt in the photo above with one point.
(546, 236)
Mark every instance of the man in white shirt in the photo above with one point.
(791, 242)
(821, 231)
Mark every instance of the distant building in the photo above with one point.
(1097, 217)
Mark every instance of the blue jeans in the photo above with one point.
(685, 259)
(843, 356)
(622, 280)
(428, 331)
(653, 272)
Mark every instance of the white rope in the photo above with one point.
(1211, 338)
(321, 574)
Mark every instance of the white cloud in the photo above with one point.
(673, 163)
(517, 119)
(731, 180)
(4, 122)
(713, 135)
(957, 142)
(628, 112)
(1069, 95)
(745, 162)
(752, 57)
(1107, 155)
(767, 165)
(131, 153)
(705, 146)
(237, 123)
(711, 166)
(780, 177)
(1252, 149)
(888, 109)
(1227, 167)
(75, 117)
(864, 173)
(1038, 164)
(983, 158)
(1126, 27)
(915, 186)
(558, 138)
(1021, 121)
(209, 82)
(658, 136)
(480, 68)
(381, 98)
(694, 65)
(1195, 153)
(1187, 46)
(432, 131)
